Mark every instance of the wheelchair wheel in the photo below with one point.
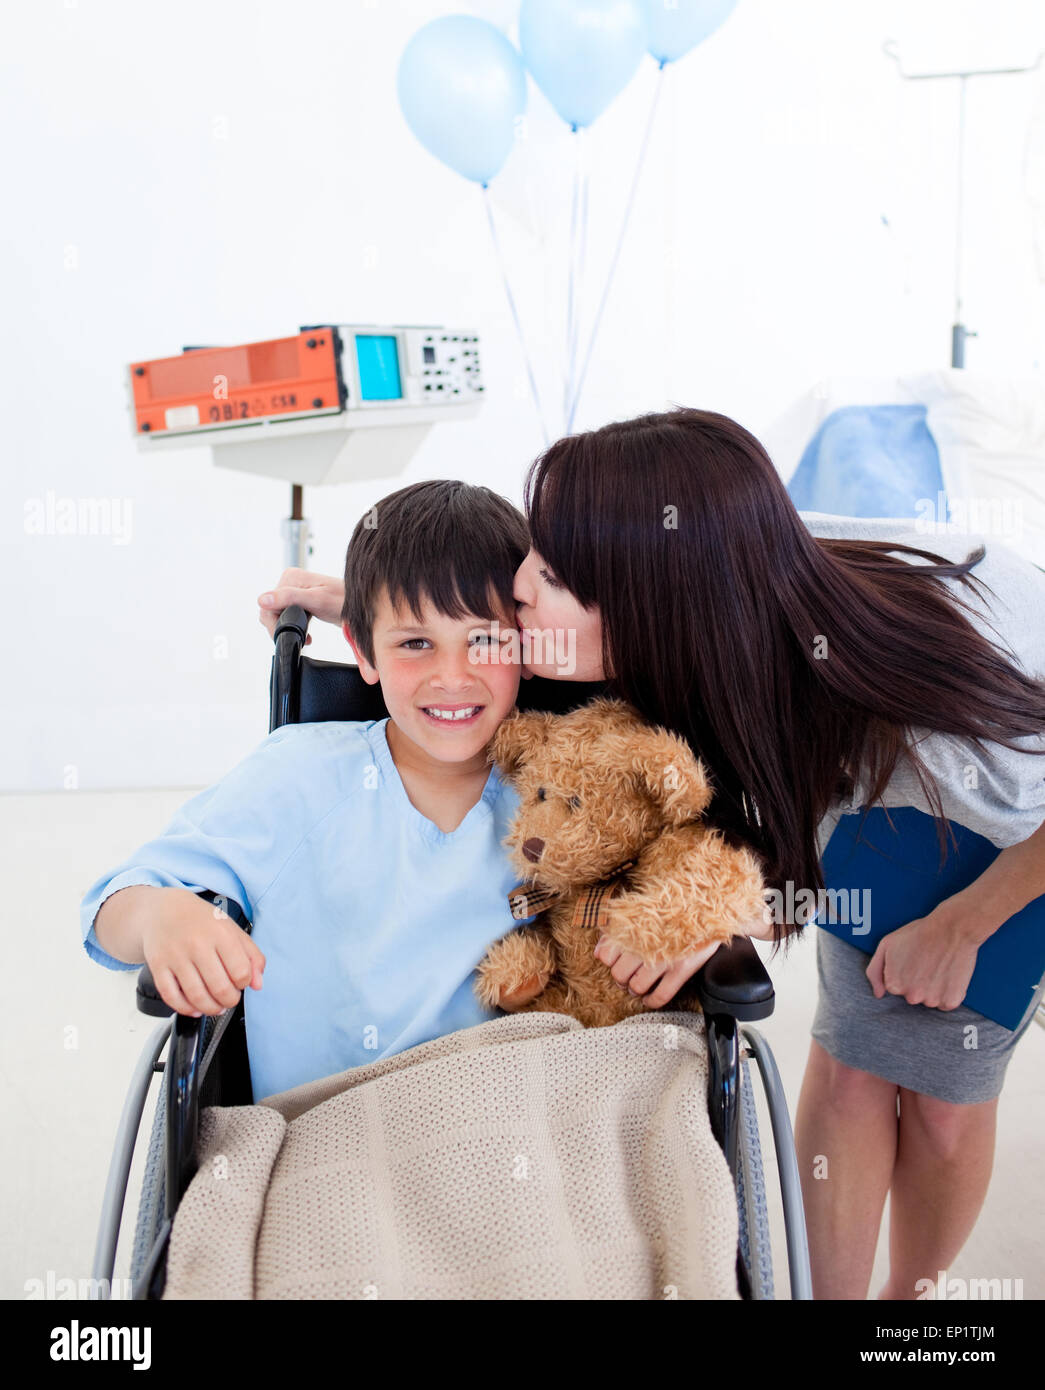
(752, 1208)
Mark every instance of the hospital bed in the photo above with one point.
(953, 450)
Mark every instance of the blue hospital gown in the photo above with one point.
(371, 919)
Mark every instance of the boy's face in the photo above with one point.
(462, 667)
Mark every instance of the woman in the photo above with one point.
(802, 664)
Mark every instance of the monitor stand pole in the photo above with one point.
(297, 537)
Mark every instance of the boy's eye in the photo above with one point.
(486, 637)
(553, 583)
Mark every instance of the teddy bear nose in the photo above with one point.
(532, 849)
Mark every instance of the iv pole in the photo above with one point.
(959, 332)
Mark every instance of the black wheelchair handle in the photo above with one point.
(285, 683)
(293, 619)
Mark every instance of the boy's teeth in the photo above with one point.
(453, 714)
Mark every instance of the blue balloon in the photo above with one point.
(581, 52)
(675, 29)
(462, 86)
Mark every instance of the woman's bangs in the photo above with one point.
(560, 514)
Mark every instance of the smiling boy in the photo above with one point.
(368, 855)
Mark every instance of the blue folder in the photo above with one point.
(900, 869)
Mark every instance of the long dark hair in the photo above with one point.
(788, 663)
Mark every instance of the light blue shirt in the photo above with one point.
(371, 919)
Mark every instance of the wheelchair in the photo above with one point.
(206, 1058)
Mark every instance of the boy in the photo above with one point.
(367, 855)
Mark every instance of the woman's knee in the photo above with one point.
(950, 1130)
(847, 1088)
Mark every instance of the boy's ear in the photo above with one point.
(367, 671)
(519, 738)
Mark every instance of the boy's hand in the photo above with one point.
(200, 959)
(639, 979)
(321, 595)
(658, 985)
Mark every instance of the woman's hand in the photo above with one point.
(322, 595)
(929, 961)
(657, 985)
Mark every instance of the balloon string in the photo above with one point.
(515, 317)
(571, 275)
(620, 242)
(582, 253)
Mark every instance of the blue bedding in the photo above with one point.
(869, 460)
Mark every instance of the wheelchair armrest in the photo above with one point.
(150, 1001)
(735, 982)
(148, 996)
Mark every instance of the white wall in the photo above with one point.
(222, 172)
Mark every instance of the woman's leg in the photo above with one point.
(845, 1136)
(943, 1168)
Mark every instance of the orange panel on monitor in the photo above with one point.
(207, 387)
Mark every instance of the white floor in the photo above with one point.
(71, 1038)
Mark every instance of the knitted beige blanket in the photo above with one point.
(525, 1158)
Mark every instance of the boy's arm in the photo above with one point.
(118, 924)
(231, 839)
(199, 958)
(185, 857)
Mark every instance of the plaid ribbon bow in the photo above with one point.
(589, 910)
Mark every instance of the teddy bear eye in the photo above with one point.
(540, 793)
(574, 803)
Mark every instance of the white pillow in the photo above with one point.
(990, 432)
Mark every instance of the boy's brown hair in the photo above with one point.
(447, 541)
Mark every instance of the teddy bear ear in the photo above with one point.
(518, 738)
(672, 775)
(601, 723)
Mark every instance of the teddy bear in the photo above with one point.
(609, 839)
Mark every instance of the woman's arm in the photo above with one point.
(322, 595)
(1014, 879)
(930, 960)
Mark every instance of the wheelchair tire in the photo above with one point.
(752, 1209)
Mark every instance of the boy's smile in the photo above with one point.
(447, 683)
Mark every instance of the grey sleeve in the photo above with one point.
(998, 793)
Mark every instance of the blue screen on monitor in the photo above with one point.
(378, 358)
